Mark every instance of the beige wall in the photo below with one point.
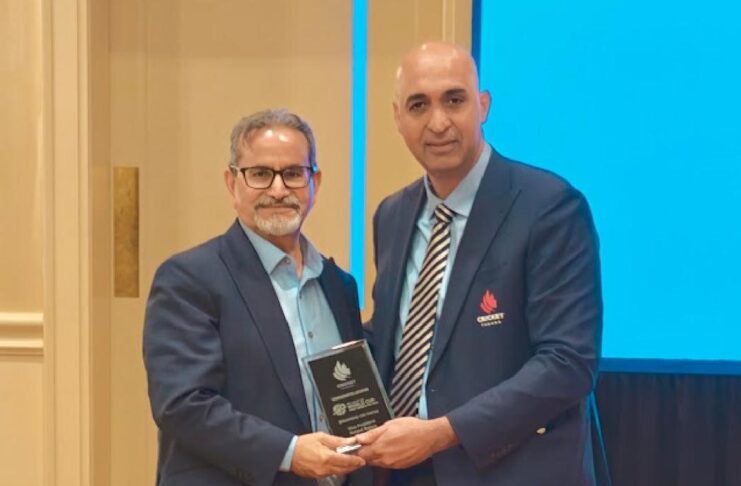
(21, 458)
(21, 283)
(20, 131)
(155, 84)
(395, 26)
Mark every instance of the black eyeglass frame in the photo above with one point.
(311, 171)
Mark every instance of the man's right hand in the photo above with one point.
(315, 456)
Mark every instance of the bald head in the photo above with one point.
(436, 55)
(439, 111)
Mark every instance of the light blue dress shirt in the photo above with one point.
(310, 319)
(460, 201)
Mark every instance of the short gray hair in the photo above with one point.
(270, 118)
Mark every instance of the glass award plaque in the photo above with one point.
(349, 389)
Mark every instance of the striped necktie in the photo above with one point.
(416, 338)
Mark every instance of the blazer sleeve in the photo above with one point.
(564, 318)
(186, 375)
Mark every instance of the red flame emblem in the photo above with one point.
(488, 302)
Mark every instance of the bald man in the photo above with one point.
(488, 313)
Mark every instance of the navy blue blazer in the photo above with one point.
(517, 344)
(224, 381)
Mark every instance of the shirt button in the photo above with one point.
(286, 261)
(311, 335)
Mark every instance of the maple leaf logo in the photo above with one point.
(488, 302)
(341, 371)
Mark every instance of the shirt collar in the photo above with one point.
(270, 255)
(461, 199)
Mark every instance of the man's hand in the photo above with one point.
(315, 456)
(406, 441)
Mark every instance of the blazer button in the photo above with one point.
(540, 431)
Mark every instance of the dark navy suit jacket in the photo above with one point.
(224, 381)
(512, 372)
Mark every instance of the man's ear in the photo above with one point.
(397, 114)
(485, 104)
(229, 180)
(317, 178)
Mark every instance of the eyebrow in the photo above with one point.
(415, 97)
(455, 91)
(448, 93)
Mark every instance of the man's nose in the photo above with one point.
(439, 121)
(278, 189)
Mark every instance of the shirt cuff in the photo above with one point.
(285, 464)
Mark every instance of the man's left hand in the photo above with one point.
(406, 441)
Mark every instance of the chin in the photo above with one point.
(278, 226)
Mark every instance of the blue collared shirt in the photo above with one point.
(310, 319)
(460, 201)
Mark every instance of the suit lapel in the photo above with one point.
(491, 204)
(265, 311)
(348, 323)
(401, 232)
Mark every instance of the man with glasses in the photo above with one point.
(229, 322)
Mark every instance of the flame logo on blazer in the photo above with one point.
(489, 306)
(488, 302)
(341, 371)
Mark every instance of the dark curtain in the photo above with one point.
(671, 430)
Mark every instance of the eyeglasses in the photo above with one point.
(295, 177)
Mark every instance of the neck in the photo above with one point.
(443, 186)
(291, 245)
(445, 182)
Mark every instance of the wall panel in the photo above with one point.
(20, 132)
(21, 284)
(21, 458)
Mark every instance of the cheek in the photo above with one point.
(413, 140)
(243, 209)
(470, 128)
(411, 130)
(243, 201)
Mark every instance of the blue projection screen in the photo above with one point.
(637, 104)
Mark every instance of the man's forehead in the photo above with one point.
(277, 135)
(434, 86)
(435, 74)
(272, 140)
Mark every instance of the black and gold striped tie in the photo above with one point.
(416, 338)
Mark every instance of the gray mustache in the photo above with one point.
(268, 202)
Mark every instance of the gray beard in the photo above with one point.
(278, 225)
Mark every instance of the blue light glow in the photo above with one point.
(357, 170)
(637, 104)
